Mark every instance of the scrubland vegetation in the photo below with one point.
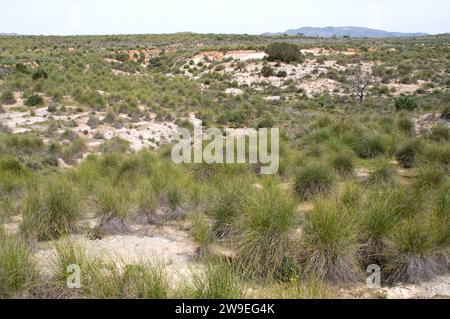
(359, 183)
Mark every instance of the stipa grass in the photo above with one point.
(313, 180)
(329, 243)
(51, 209)
(16, 268)
(262, 230)
(416, 254)
(215, 280)
(146, 281)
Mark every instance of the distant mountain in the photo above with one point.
(355, 32)
(8, 34)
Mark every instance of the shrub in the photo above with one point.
(267, 71)
(34, 100)
(40, 74)
(50, 209)
(407, 103)
(329, 243)
(284, 52)
(314, 180)
(16, 268)
(343, 164)
(262, 231)
(282, 74)
(446, 113)
(7, 98)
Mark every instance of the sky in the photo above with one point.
(80, 17)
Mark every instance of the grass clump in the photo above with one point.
(407, 154)
(329, 243)
(51, 209)
(16, 268)
(146, 281)
(216, 280)
(440, 133)
(262, 230)
(416, 254)
(384, 172)
(343, 164)
(429, 177)
(314, 180)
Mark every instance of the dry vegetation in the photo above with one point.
(86, 126)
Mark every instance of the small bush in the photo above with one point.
(446, 113)
(284, 52)
(407, 103)
(40, 75)
(314, 180)
(34, 100)
(267, 71)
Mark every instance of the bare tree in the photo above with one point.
(360, 81)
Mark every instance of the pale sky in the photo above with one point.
(70, 17)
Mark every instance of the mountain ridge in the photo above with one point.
(346, 31)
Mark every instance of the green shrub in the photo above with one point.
(34, 100)
(267, 71)
(40, 75)
(446, 113)
(313, 180)
(407, 103)
(284, 52)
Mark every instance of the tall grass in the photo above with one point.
(329, 243)
(313, 180)
(51, 209)
(262, 230)
(146, 281)
(16, 268)
(215, 280)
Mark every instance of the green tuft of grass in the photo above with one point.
(16, 268)
(313, 180)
